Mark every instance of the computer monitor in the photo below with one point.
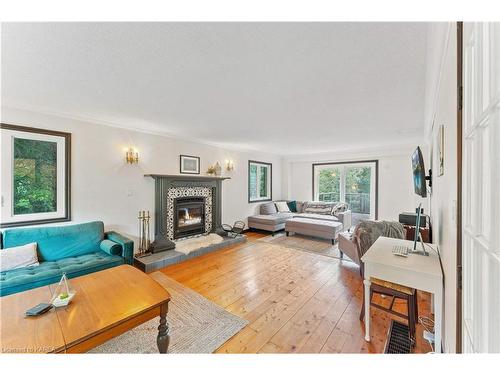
(417, 227)
(419, 179)
(417, 233)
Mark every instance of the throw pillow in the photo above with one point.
(282, 207)
(111, 247)
(338, 208)
(292, 205)
(268, 208)
(18, 257)
(321, 208)
(300, 206)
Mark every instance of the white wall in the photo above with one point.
(442, 110)
(395, 189)
(105, 188)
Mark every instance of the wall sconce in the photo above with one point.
(229, 165)
(132, 156)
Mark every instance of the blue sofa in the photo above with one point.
(72, 249)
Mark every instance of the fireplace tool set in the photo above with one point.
(144, 234)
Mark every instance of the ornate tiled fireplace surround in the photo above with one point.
(168, 188)
(176, 194)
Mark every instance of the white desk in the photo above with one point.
(415, 271)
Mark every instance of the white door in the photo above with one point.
(481, 188)
(354, 183)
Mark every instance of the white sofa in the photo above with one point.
(273, 221)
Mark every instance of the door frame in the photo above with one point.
(458, 346)
(350, 162)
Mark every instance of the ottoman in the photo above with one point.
(314, 227)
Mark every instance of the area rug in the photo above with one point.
(191, 244)
(197, 325)
(306, 243)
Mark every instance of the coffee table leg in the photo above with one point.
(163, 330)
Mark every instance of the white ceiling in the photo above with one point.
(286, 88)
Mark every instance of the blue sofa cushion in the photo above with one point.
(126, 243)
(47, 273)
(111, 247)
(58, 242)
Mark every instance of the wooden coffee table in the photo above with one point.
(107, 304)
(29, 335)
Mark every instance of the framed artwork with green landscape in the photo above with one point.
(36, 175)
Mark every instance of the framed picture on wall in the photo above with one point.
(189, 164)
(36, 175)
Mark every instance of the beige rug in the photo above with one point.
(197, 325)
(306, 243)
(191, 244)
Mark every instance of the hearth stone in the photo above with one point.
(157, 261)
(161, 244)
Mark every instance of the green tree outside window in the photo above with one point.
(263, 181)
(35, 176)
(356, 187)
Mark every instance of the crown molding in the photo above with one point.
(153, 131)
(388, 150)
(385, 151)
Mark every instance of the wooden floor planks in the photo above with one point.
(295, 301)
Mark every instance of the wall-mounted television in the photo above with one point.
(417, 161)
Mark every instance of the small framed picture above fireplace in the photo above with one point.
(189, 164)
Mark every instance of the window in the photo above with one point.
(260, 177)
(35, 175)
(354, 183)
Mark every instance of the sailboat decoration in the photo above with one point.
(63, 294)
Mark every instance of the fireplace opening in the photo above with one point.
(189, 216)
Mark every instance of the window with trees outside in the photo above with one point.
(35, 175)
(259, 181)
(354, 183)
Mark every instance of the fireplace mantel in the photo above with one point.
(187, 177)
(163, 184)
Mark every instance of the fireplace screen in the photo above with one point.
(189, 216)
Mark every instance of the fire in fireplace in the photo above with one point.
(189, 218)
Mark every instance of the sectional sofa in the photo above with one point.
(272, 219)
(72, 249)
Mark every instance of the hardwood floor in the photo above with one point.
(295, 301)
